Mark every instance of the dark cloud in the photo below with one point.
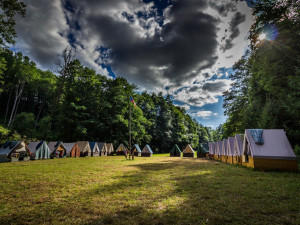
(237, 19)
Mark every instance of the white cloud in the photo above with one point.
(204, 114)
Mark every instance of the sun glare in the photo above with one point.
(262, 36)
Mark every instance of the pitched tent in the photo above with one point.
(211, 146)
(57, 149)
(39, 150)
(275, 153)
(188, 151)
(147, 152)
(224, 150)
(12, 151)
(238, 149)
(175, 151)
(110, 149)
(84, 148)
(136, 150)
(230, 150)
(94, 149)
(121, 150)
(72, 149)
(102, 148)
(218, 149)
(203, 150)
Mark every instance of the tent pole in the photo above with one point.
(129, 125)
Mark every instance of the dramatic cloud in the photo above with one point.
(204, 93)
(170, 46)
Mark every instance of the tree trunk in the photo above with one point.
(19, 91)
(7, 106)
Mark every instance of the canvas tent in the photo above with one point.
(72, 149)
(12, 151)
(224, 150)
(57, 149)
(136, 150)
(211, 146)
(121, 150)
(218, 149)
(147, 152)
(39, 150)
(102, 148)
(175, 151)
(84, 148)
(238, 149)
(275, 153)
(94, 149)
(203, 150)
(110, 149)
(188, 151)
(230, 150)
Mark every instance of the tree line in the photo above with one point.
(266, 81)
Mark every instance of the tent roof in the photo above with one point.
(238, 144)
(69, 146)
(92, 145)
(276, 145)
(147, 149)
(175, 149)
(230, 146)
(205, 148)
(8, 147)
(119, 148)
(137, 148)
(83, 146)
(101, 145)
(224, 147)
(188, 149)
(35, 145)
(109, 145)
(219, 147)
(211, 147)
(53, 145)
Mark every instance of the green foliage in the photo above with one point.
(9, 8)
(6, 134)
(24, 124)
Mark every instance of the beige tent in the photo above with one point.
(121, 150)
(230, 150)
(224, 150)
(218, 149)
(211, 147)
(147, 151)
(84, 148)
(238, 149)
(188, 151)
(102, 148)
(110, 149)
(274, 153)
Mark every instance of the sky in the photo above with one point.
(184, 48)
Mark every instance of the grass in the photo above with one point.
(156, 190)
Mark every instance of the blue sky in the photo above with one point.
(182, 48)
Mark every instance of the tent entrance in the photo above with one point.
(246, 156)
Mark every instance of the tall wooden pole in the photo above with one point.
(129, 125)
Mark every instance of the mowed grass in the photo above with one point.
(156, 190)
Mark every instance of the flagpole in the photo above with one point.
(129, 125)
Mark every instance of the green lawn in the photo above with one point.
(156, 190)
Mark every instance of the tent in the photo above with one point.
(72, 149)
(188, 151)
(94, 149)
(218, 149)
(110, 149)
(136, 150)
(57, 149)
(12, 151)
(39, 150)
(211, 146)
(224, 150)
(147, 152)
(84, 148)
(102, 148)
(121, 150)
(230, 150)
(238, 149)
(175, 151)
(275, 153)
(202, 150)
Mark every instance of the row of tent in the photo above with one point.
(19, 151)
(188, 151)
(263, 149)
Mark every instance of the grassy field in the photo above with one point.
(156, 190)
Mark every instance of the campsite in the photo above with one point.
(148, 190)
